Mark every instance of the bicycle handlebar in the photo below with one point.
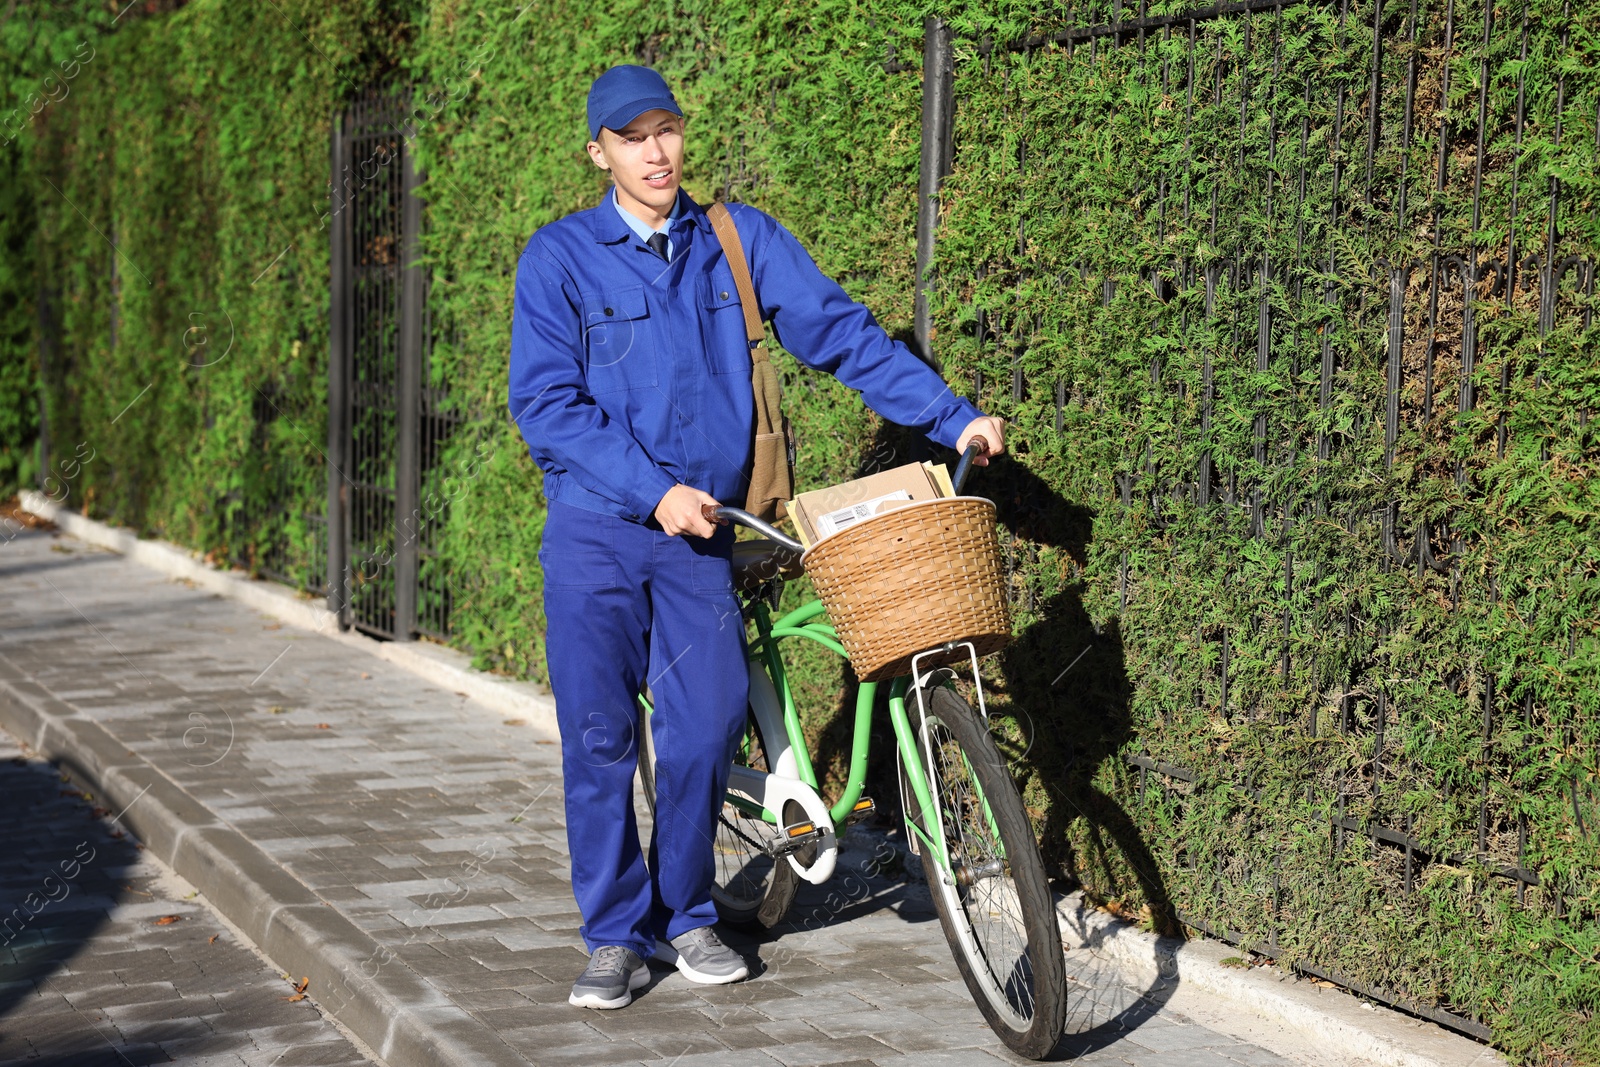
(722, 515)
(978, 446)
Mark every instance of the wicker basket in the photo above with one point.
(911, 579)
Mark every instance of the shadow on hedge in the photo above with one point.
(1064, 681)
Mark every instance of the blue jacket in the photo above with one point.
(630, 375)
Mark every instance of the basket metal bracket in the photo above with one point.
(919, 680)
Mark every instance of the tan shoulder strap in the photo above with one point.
(733, 248)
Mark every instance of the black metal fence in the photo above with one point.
(387, 420)
(1222, 72)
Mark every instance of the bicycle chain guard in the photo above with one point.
(772, 790)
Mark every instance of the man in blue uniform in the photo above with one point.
(630, 380)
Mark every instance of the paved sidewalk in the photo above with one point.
(435, 828)
(107, 960)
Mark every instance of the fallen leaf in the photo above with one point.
(168, 920)
(323, 726)
(277, 709)
(116, 833)
(212, 940)
(516, 722)
(544, 742)
(99, 813)
(297, 996)
(364, 674)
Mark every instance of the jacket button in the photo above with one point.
(609, 311)
(723, 296)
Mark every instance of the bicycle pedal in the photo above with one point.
(795, 837)
(864, 807)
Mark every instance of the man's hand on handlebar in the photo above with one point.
(680, 512)
(992, 430)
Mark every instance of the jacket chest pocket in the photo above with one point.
(722, 316)
(618, 342)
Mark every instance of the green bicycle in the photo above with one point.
(963, 814)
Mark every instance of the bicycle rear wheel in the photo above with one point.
(751, 888)
(993, 899)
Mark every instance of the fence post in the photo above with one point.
(408, 415)
(338, 374)
(47, 350)
(938, 76)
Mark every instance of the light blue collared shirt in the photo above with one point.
(637, 225)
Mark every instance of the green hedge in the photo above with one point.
(1151, 622)
(1393, 663)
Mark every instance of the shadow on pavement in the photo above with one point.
(57, 882)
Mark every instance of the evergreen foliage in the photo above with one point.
(1255, 634)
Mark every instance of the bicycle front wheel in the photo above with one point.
(750, 888)
(991, 893)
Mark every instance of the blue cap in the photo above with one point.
(625, 92)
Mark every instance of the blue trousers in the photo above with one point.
(626, 604)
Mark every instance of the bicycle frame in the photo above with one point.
(805, 622)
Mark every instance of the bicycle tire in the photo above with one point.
(750, 888)
(1001, 924)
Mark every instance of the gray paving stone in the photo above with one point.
(877, 1024)
(815, 1009)
(128, 989)
(1189, 1057)
(724, 1058)
(948, 1058)
(812, 1053)
(1251, 1056)
(931, 1038)
(439, 832)
(1161, 1036)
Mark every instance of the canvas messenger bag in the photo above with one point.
(772, 474)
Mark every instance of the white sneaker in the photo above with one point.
(614, 972)
(702, 957)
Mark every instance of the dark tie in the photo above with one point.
(658, 244)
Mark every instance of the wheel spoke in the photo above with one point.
(985, 893)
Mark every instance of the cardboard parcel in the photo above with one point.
(821, 513)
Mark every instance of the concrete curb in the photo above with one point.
(1331, 1018)
(442, 666)
(365, 986)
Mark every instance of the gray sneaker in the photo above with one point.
(702, 957)
(613, 974)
